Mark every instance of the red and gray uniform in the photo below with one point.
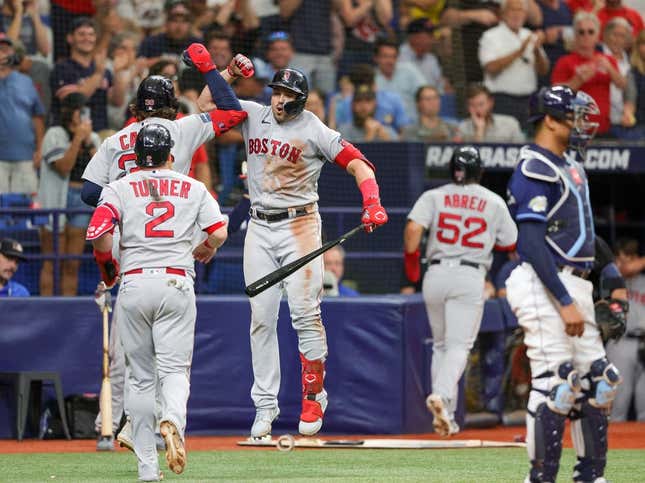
(284, 163)
(466, 223)
(625, 355)
(157, 213)
(113, 160)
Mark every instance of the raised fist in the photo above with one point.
(241, 65)
(197, 56)
(373, 216)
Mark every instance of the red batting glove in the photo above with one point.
(108, 267)
(412, 265)
(225, 120)
(373, 216)
(373, 213)
(243, 64)
(197, 56)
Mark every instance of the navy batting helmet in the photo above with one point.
(156, 92)
(153, 146)
(295, 81)
(465, 165)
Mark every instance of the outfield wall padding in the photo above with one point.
(378, 370)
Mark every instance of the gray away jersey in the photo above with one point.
(465, 222)
(157, 228)
(284, 159)
(115, 158)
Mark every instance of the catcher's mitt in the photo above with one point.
(611, 318)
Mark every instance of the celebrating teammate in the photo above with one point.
(157, 210)
(466, 222)
(549, 293)
(156, 103)
(287, 147)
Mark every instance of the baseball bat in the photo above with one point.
(281, 273)
(106, 386)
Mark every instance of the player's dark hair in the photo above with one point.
(164, 113)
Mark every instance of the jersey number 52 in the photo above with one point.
(450, 229)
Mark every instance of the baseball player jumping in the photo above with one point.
(157, 210)
(550, 294)
(156, 103)
(287, 147)
(466, 222)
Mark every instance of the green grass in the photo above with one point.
(311, 466)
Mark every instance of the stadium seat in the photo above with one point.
(22, 383)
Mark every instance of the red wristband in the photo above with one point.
(370, 192)
(207, 245)
(103, 257)
(412, 265)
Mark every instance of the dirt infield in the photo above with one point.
(621, 436)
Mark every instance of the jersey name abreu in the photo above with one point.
(467, 202)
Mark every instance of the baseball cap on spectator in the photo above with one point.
(79, 22)
(420, 25)
(277, 35)
(364, 93)
(5, 39)
(11, 248)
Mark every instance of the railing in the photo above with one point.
(383, 245)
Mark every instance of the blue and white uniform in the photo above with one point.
(549, 199)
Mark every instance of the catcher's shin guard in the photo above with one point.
(314, 397)
(589, 434)
(548, 429)
(604, 378)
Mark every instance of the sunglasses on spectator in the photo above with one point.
(585, 31)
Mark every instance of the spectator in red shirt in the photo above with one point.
(615, 8)
(588, 70)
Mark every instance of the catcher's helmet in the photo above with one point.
(465, 165)
(562, 103)
(295, 81)
(156, 92)
(153, 146)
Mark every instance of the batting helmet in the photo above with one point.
(465, 165)
(156, 92)
(153, 146)
(294, 81)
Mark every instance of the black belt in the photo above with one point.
(577, 272)
(280, 215)
(465, 263)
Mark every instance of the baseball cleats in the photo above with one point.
(311, 418)
(442, 422)
(175, 451)
(124, 438)
(105, 443)
(263, 420)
